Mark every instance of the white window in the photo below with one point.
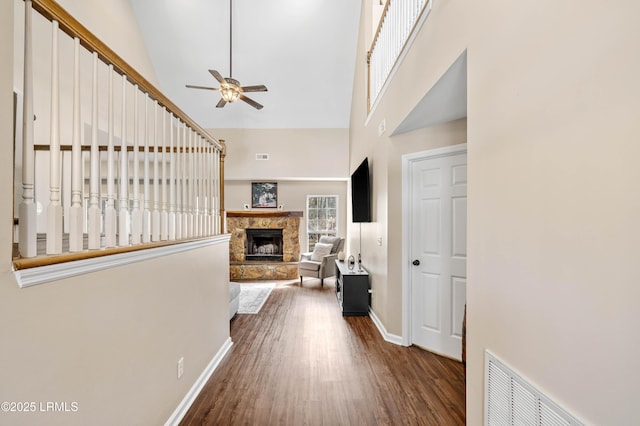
(322, 218)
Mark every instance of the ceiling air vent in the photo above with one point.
(262, 156)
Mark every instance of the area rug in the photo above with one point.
(253, 296)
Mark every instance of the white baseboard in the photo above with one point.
(391, 338)
(188, 399)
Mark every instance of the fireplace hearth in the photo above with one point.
(264, 244)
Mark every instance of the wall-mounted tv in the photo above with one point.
(361, 193)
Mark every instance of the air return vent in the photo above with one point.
(510, 400)
(262, 156)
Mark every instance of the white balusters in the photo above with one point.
(204, 218)
(190, 186)
(164, 214)
(155, 214)
(184, 174)
(123, 216)
(94, 178)
(146, 214)
(27, 209)
(196, 185)
(183, 201)
(54, 210)
(136, 214)
(397, 23)
(76, 220)
(172, 183)
(178, 161)
(110, 212)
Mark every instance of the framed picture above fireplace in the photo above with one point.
(264, 195)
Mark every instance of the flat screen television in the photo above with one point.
(361, 193)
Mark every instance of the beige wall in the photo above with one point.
(552, 232)
(553, 203)
(109, 340)
(293, 195)
(293, 153)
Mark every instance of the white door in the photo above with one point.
(438, 252)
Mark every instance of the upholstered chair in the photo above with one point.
(321, 262)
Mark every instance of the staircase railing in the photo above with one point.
(130, 171)
(399, 22)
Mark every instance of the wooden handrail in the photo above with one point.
(377, 34)
(45, 260)
(53, 11)
(117, 148)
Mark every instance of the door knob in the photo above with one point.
(416, 262)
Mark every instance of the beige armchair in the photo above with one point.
(321, 263)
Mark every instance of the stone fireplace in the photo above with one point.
(264, 245)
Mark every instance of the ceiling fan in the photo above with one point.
(230, 88)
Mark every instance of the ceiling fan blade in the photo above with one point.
(221, 103)
(260, 88)
(191, 86)
(250, 102)
(218, 77)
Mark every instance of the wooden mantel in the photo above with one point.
(263, 213)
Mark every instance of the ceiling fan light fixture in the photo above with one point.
(229, 93)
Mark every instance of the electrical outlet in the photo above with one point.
(379, 241)
(180, 367)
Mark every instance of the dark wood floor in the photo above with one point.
(299, 362)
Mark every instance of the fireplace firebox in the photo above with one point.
(264, 244)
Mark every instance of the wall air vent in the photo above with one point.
(262, 156)
(510, 400)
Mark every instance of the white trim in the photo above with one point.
(391, 338)
(191, 396)
(43, 274)
(405, 49)
(407, 161)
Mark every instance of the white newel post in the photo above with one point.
(212, 188)
(172, 184)
(216, 192)
(94, 179)
(54, 210)
(123, 215)
(136, 215)
(75, 213)
(155, 216)
(110, 213)
(164, 215)
(178, 161)
(27, 243)
(146, 214)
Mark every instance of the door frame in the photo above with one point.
(407, 203)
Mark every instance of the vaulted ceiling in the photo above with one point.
(304, 51)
